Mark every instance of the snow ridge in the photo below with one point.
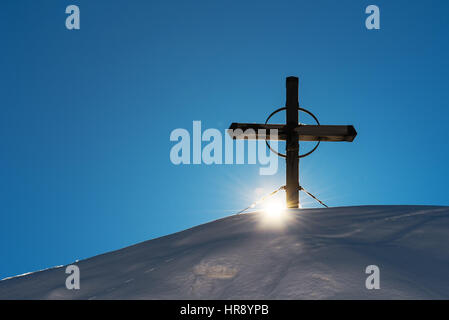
(312, 254)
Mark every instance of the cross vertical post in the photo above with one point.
(292, 143)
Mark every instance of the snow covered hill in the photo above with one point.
(310, 254)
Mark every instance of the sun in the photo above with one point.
(274, 210)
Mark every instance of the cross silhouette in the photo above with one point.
(293, 132)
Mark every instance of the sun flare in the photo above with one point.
(274, 211)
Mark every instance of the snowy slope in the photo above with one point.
(315, 254)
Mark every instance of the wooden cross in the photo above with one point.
(293, 132)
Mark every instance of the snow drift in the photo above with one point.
(313, 254)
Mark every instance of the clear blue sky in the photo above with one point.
(86, 115)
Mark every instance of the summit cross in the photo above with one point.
(293, 132)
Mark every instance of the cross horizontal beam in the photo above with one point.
(304, 132)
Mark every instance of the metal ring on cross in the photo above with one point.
(300, 109)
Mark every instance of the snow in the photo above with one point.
(312, 254)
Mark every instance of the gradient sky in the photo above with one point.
(86, 115)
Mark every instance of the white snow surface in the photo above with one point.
(313, 254)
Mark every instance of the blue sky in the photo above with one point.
(86, 114)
